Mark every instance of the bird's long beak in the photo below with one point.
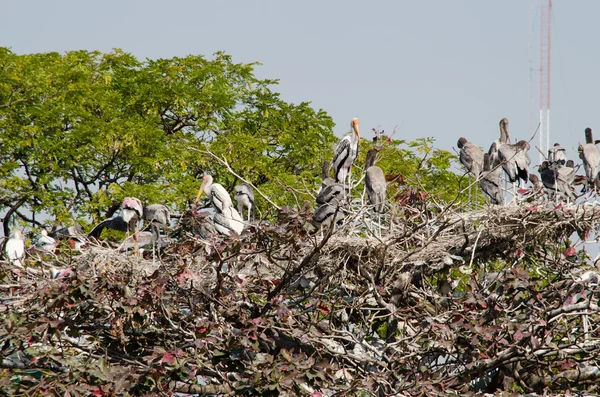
(200, 192)
(355, 127)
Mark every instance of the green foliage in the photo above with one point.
(82, 130)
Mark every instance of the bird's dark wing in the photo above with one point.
(330, 193)
(115, 223)
(341, 153)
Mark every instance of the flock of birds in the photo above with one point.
(557, 176)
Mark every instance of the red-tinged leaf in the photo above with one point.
(566, 365)
(558, 207)
(168, 358)
(532, 208)
(323, 309)
(97, 393)
(179, 352)
(523, 191)
(518, 253)
(257, 320)
(518, 335)
(571, 251)
(317, 394)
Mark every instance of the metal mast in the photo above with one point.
(545, 76)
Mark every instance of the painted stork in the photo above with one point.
(345, 153)
(245, 198)
(515, 161)
(15, 248)
(504, 138)
(375, 183)
(557, 154)
(591, 158)
(228, 221)
(215, 192)
(45, 243)
(490, 181)
(471, 156)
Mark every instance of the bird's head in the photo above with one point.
(206, 183)
(588, 135)
(354, 126)
(504, 135)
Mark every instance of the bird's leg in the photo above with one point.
(135, 238)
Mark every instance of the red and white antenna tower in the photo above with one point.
(545, 76)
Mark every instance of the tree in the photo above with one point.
(82, 130)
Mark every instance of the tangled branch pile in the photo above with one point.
(492, 300)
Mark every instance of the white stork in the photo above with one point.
(490, 181)
(345, 154)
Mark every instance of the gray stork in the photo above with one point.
(591, 158)
(535, 182)
(157, 213)
(471, 156)
(557, 154)
(558, 180)
(345, 153)
(245, 198)
(326, 179)
(15, 248)
(504, 138)
(515, 161)
(145, 239)
(228, 221)
(490, 181)
(215, 192)
(565, 180)
(376, 185)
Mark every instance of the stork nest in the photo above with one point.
(441, 302)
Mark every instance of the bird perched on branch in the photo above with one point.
(557, 154)
(591, 159)
(504, 138)
(245, 198)
(375, 183)
(345, 153)
(515, 161)
(471, 156)
(490, 181)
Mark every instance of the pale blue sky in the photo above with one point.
(433, 68)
